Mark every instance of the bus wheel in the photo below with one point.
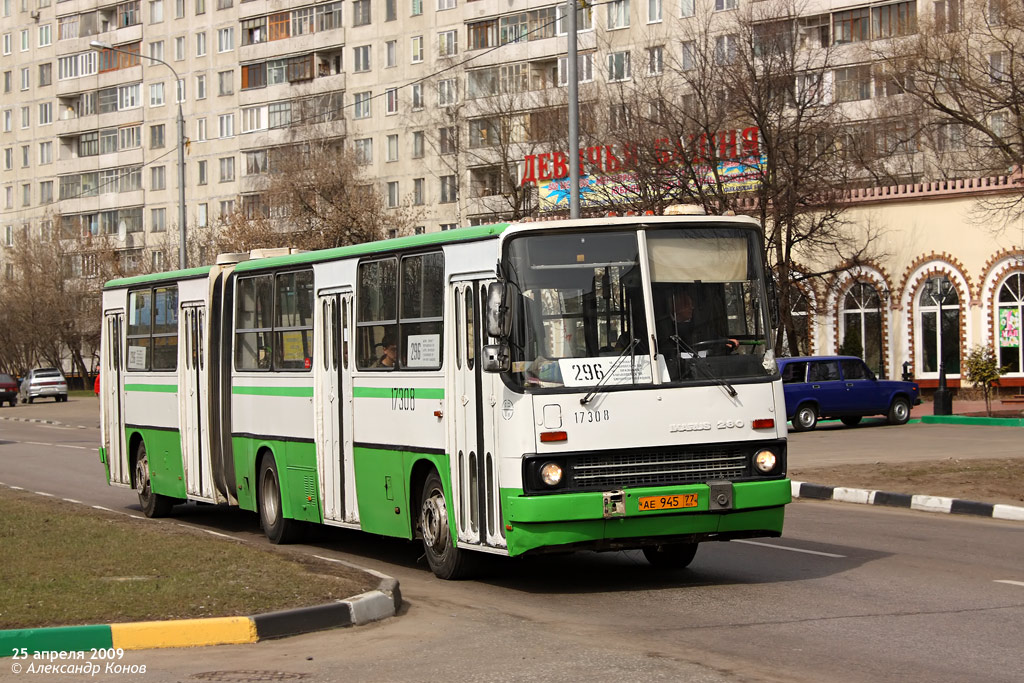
(445, 560)
(153, 504)
(276, 526)
(671, 555)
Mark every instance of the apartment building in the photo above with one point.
(88, 133)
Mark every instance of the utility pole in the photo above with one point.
(574, 113)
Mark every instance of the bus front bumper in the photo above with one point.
(579, 521)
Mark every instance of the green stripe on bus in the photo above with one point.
(153, 388)
(387, 392)
(300, 392)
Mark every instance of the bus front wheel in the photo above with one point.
(278, 528)
(444, 558)
(671, 555)
(153, 504)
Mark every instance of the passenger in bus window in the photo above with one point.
(389, 351)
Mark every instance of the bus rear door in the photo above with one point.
(112, 395)
(194, 401)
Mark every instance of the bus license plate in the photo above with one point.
(685, 500)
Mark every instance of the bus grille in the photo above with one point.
(604, 471)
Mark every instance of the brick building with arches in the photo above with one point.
(949, 277)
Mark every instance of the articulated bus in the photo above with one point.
(512, 389)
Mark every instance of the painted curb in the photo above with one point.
(361, 609)
(977, 421)
(924, 503)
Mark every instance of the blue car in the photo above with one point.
(820, 387)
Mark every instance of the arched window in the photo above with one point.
(1010, 312)
(861, 321)
(939, 325)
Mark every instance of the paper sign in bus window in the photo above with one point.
(423, 351)
(136, 357)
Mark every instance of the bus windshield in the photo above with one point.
(581, 314)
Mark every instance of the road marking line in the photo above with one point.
(17, 488)
(1012, 583)
(217, 533)
(100, 507)
(37, 443)
(795, 550)
(81, 448)
(72, 500)
(44, 493)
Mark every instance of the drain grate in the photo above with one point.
(249, 676)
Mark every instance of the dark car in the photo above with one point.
(819, 387)
(8, 390)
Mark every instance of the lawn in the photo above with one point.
(68, 564)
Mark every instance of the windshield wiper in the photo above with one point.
(701, 363)
(622, 356)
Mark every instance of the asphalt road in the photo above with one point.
(850, 593)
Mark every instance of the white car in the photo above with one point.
(43, 382)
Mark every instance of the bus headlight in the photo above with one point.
(551, 473)
(765, 460)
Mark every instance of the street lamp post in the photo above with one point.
(182, 255)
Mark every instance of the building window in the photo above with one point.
(1010, 314)
(201, 130)
(202, 179)
(46, 152)
(45, 113)
(418, 195)
(447, 92)
(201, 44)
(156, 136)
(448, 140)
(392, 149)
(227, 169)
(227, 125)
(361, 59)
(201, 87)
(364, 151)
(417, 96)
(447, 43)
(721, 5)
(361, 110)
(418, 141)
(360, 12)
(445, 4)
(226, 39)
(158, 178)
(861, 325)
(393, 194)
(851, 26)
(416, 7)
(726, 49)
(226, 83)
(45, 74)
(156, 94)
(448, 189)
(618, 67)
(158, 220)
(938, 328)
(279, 115)
(179, 48)
(618, 14)
(156, 11)
(417, 49)
(390, 54)
(46, 192)
(391, 101)
(853, 83)
(655, 60)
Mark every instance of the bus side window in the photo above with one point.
(470, 321)
(377, 317)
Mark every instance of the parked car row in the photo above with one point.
(38, 383)
(818, 387)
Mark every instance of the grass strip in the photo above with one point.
(67, 564)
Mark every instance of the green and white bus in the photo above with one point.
(509, 389)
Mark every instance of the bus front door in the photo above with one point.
(333, 398)
(112, 396)
(471, 435)
(194, 402)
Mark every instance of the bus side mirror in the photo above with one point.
(496, 358)
(499, 315)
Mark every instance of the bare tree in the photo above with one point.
(965, 67)
(314, 197)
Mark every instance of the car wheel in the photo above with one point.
(671, 555)
(153, 504)
(899, 411)
(278, 528)
(806, 418)
(850, 420)
(445, 559)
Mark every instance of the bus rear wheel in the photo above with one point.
(444, 558)
(277, 527)
(153, 504)
(671, 555)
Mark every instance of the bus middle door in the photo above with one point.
(333, 403)
(112, 395)
(193, 400)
